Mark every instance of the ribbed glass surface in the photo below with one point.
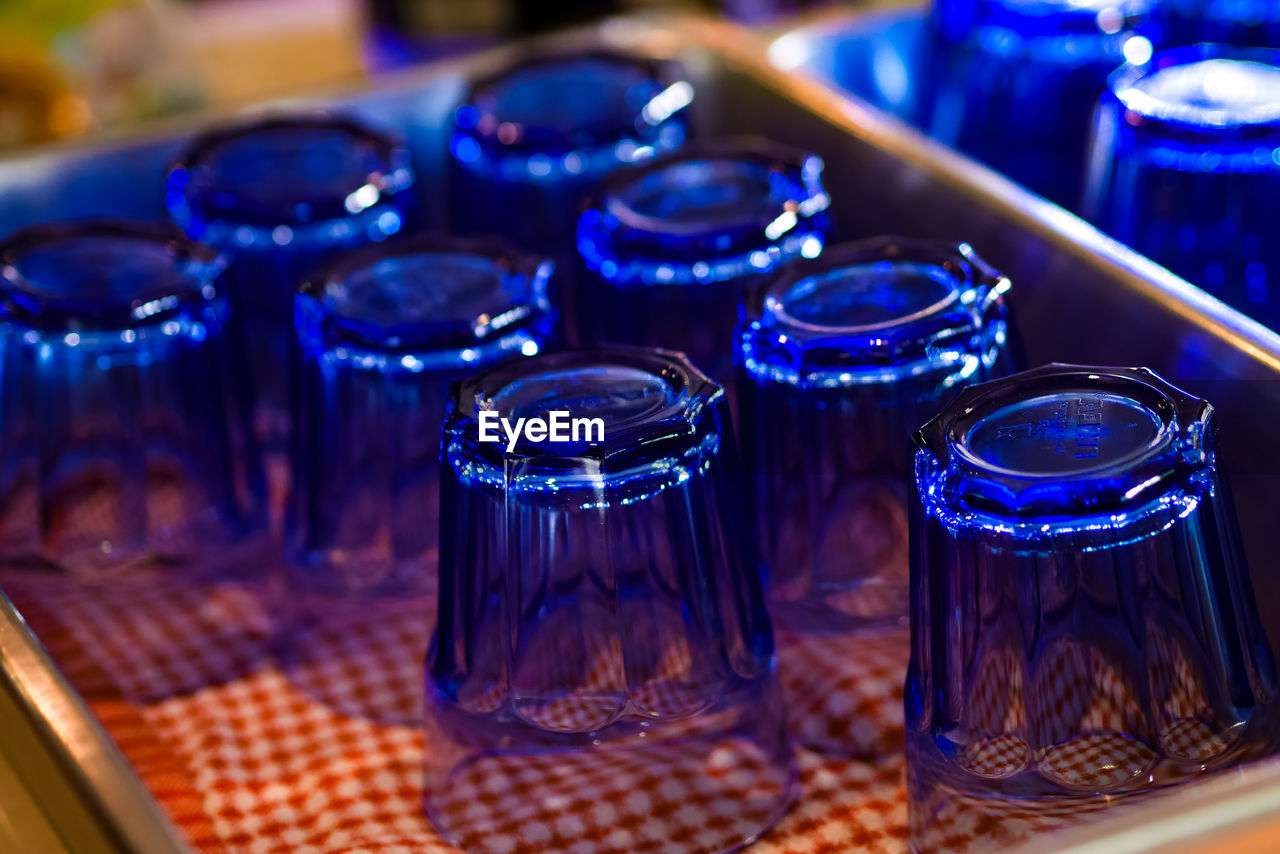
(125, 440)
(383, 333)
(280, 198)
(840, 359)
(1083, 623)
(599, 598)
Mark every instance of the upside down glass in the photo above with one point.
(280, 197)
(121, 440)
(530, 142)
(1186, 169)
(1083, 623)
(1014, 82)
(672, 247)
(840, 359)
(602, 632)
(383, 332)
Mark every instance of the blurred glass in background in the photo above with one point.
(1016, 81)
(1186, 169)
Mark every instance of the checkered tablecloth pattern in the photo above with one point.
(325, 753)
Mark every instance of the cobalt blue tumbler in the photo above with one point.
(1186, 169)
(672, 247)
(1083, 624)
(383, 333)
(531, 141)
(840, 359)
(122, 442)
(1014, 82)
(280, 197)
(602, 635)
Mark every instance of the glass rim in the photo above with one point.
(1176, 451)
(628, 246)
(392, 176)
(43, 310)
(639, 445)
(773, 342)
(1142, 113)
(521, 328)
(661, 73)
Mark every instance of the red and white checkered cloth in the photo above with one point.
(329, 756)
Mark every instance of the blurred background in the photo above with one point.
(69, 68)
(1013, 84)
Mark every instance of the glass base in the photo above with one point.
(711, 782)
(998, 793)
(965, 823)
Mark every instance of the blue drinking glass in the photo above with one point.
(1186, 169)
(840, 358)
(122, 441)
(1083, 623)
(280, 197)
(602, 632)
(1014, 82)
(1253, 23)
(537, 136)
(383, 332)
(672, 247)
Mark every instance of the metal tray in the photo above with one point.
(1080, 297)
